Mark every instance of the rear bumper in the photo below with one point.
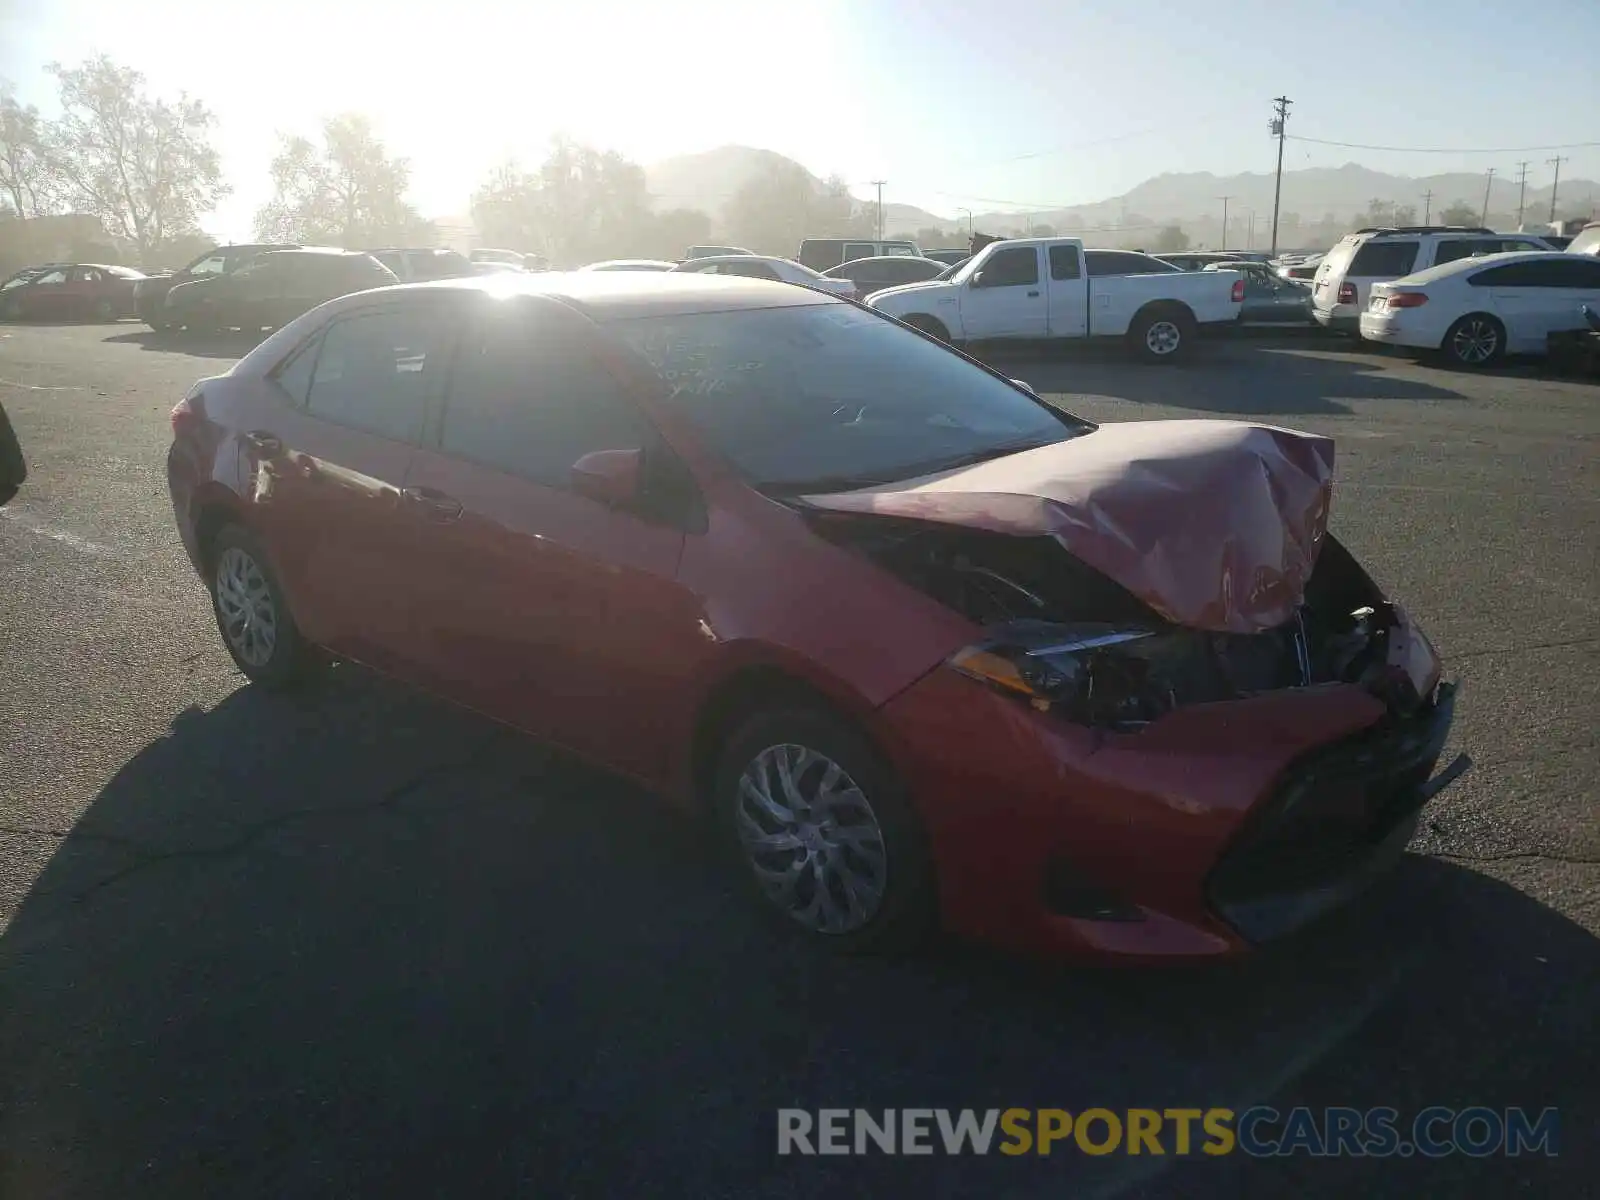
(1336, 321)
(1386, 330)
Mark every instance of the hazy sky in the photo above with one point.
(1006, 103)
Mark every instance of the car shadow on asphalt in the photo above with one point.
(1233, 377)
(217, 345)
(365, 943)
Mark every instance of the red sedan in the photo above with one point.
(923, 647)
(72, 292)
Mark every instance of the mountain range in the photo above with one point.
(706, 181)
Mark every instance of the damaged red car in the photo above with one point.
(923, 648)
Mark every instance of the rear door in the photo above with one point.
(1006, 298)
(1068, 307)
(1538, 297)
(540, 606)
(328, 471)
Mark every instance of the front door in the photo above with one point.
(327, 471)
(1005, 299)
(543, 607)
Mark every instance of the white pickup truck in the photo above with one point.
(1036, 288)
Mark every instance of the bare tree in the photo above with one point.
(29, 182)
(348, 190)
(146, 167)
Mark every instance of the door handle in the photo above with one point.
(267, 444)
(436, 504)
(1033, 294)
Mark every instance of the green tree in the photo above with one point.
(1459, 213)
(145, 166)
(1170, 240)
(348, 191)
(778, 209)
(578, 206)
(29, 180)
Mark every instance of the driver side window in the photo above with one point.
(1017, 266)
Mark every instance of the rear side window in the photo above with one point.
(371, 370)
(1384, 259)
(1064, 263)
(527, 398)
(1553, 272)
(855, 250)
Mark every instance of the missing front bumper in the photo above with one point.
(1340, 817)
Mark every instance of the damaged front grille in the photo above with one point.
(1049, 617)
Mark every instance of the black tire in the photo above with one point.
(1163, 334)
(1474, 342)
(931, 326)
(904, 912)
(291, 661)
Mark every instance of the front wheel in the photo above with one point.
(820, 829)
(252, 615)
(1162, 335)
(1476, 340)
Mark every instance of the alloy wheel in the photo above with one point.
(244, 601)
(1475, 342)
(811, 837)
(1163, 337)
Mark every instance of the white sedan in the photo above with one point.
(760, 266)
(1475, 310)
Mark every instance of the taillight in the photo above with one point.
(1347, 293)
(1408, 300)
(1238, 291)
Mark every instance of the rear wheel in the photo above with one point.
(1476, 340)
(819, 828)
(252, 615)
(1162, 335)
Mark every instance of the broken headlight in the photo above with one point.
(1123, 676)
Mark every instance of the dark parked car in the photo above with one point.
(70, 292)
(151, 293)
(873, 274)
(1199, 261)
(272, 289)
(1269, 299)
(921, 645)
(950, 257)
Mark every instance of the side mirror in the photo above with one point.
(612, 477)
(1025, 386)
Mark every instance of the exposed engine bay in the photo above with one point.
(1069, 639)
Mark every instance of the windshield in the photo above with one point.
(829, 396)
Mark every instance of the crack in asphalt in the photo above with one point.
(1536, 855)
(1557, 645)
(152, 857)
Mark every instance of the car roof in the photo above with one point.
(1477, 262)
(618, 295)
(741, 258)
(631, 262)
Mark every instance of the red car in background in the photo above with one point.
(921, 646)
(72, 292)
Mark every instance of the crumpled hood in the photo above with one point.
(1214, 524)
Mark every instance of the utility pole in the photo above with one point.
(968, 211)
(878, 183)
(1488, 183)
(1555, 162)
(1224, 200)
(1427, 205)
(1281, 108)
(1522, 189)
(1250, 240)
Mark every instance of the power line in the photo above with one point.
(1444, 150)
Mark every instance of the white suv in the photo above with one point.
(1368, 256)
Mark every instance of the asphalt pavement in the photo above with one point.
(362, 943)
